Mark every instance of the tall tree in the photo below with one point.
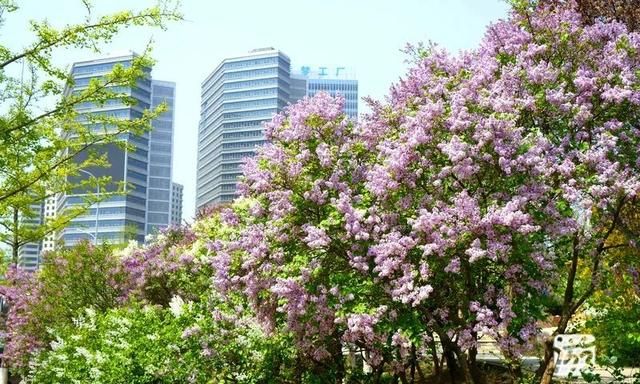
(624, 11)
(41, 143)
(456, 206)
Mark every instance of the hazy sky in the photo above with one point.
(365, 36)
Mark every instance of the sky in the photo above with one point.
(365, 36)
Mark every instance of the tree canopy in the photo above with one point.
(41, 140)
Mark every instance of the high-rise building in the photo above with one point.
(144, 167)
(29, 255)
(237, 97)
(176, 203)
(160, 155)
(335, 81)
(49, 242)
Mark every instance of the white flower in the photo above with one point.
(57, 344)
(128, 250)
(176, 306)
(94, 372)
(84, 352)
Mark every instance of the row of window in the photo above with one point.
(137, 188)
(160, 136)
(161, 206)
(263, 103)
(243, 144)
(98, 68)
(237, 156)
(251, 83)
(158, 218)
(140, 93)
(252, 93)
(157, 100)
(157, 170)
(104, 223)
(251, 73)
(115, 237)
(74, 200)
(158, 194)
(238, 135)
(228, 167)
(162, 124)
(230, 176)
(212, 97)
(136, 175)
(159, 90)
(266, 113)
(348, 95)
(228, 187)
(215, 77)
(158, 182)
(117, 211)
(137, 163)
(332, 84)
(158, 147)
(124, 114)
(160, 159)
(251, 63)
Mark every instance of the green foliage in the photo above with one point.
(70, 281)
(152, 344)
(617, 332)
(40, 144)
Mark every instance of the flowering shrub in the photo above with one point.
(22, 292)
(141, 345)
(161, 268)
(488, 185)
(182, 343)
(454, 207)
(69, 281)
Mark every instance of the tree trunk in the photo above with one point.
(450, 358)
(465, 369)
(377, 375)
(414, 361)
(335, 349)
(477, 375)
(16, 240)
(548, 364)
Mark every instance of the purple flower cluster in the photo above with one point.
(455, 196)
(21, 291)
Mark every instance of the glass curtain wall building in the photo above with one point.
(336, 82)
(29, 255)
(112, 218)
(144, 167)
(176, 203)
(160, 155)
(237, 97)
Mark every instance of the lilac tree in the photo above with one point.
(456, 207)
(21, 291)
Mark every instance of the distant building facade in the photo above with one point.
(176, 203)
(159, 188)
(237, 98)
(334, 81)
(49, 242)
(144, 167)
(30, 254)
